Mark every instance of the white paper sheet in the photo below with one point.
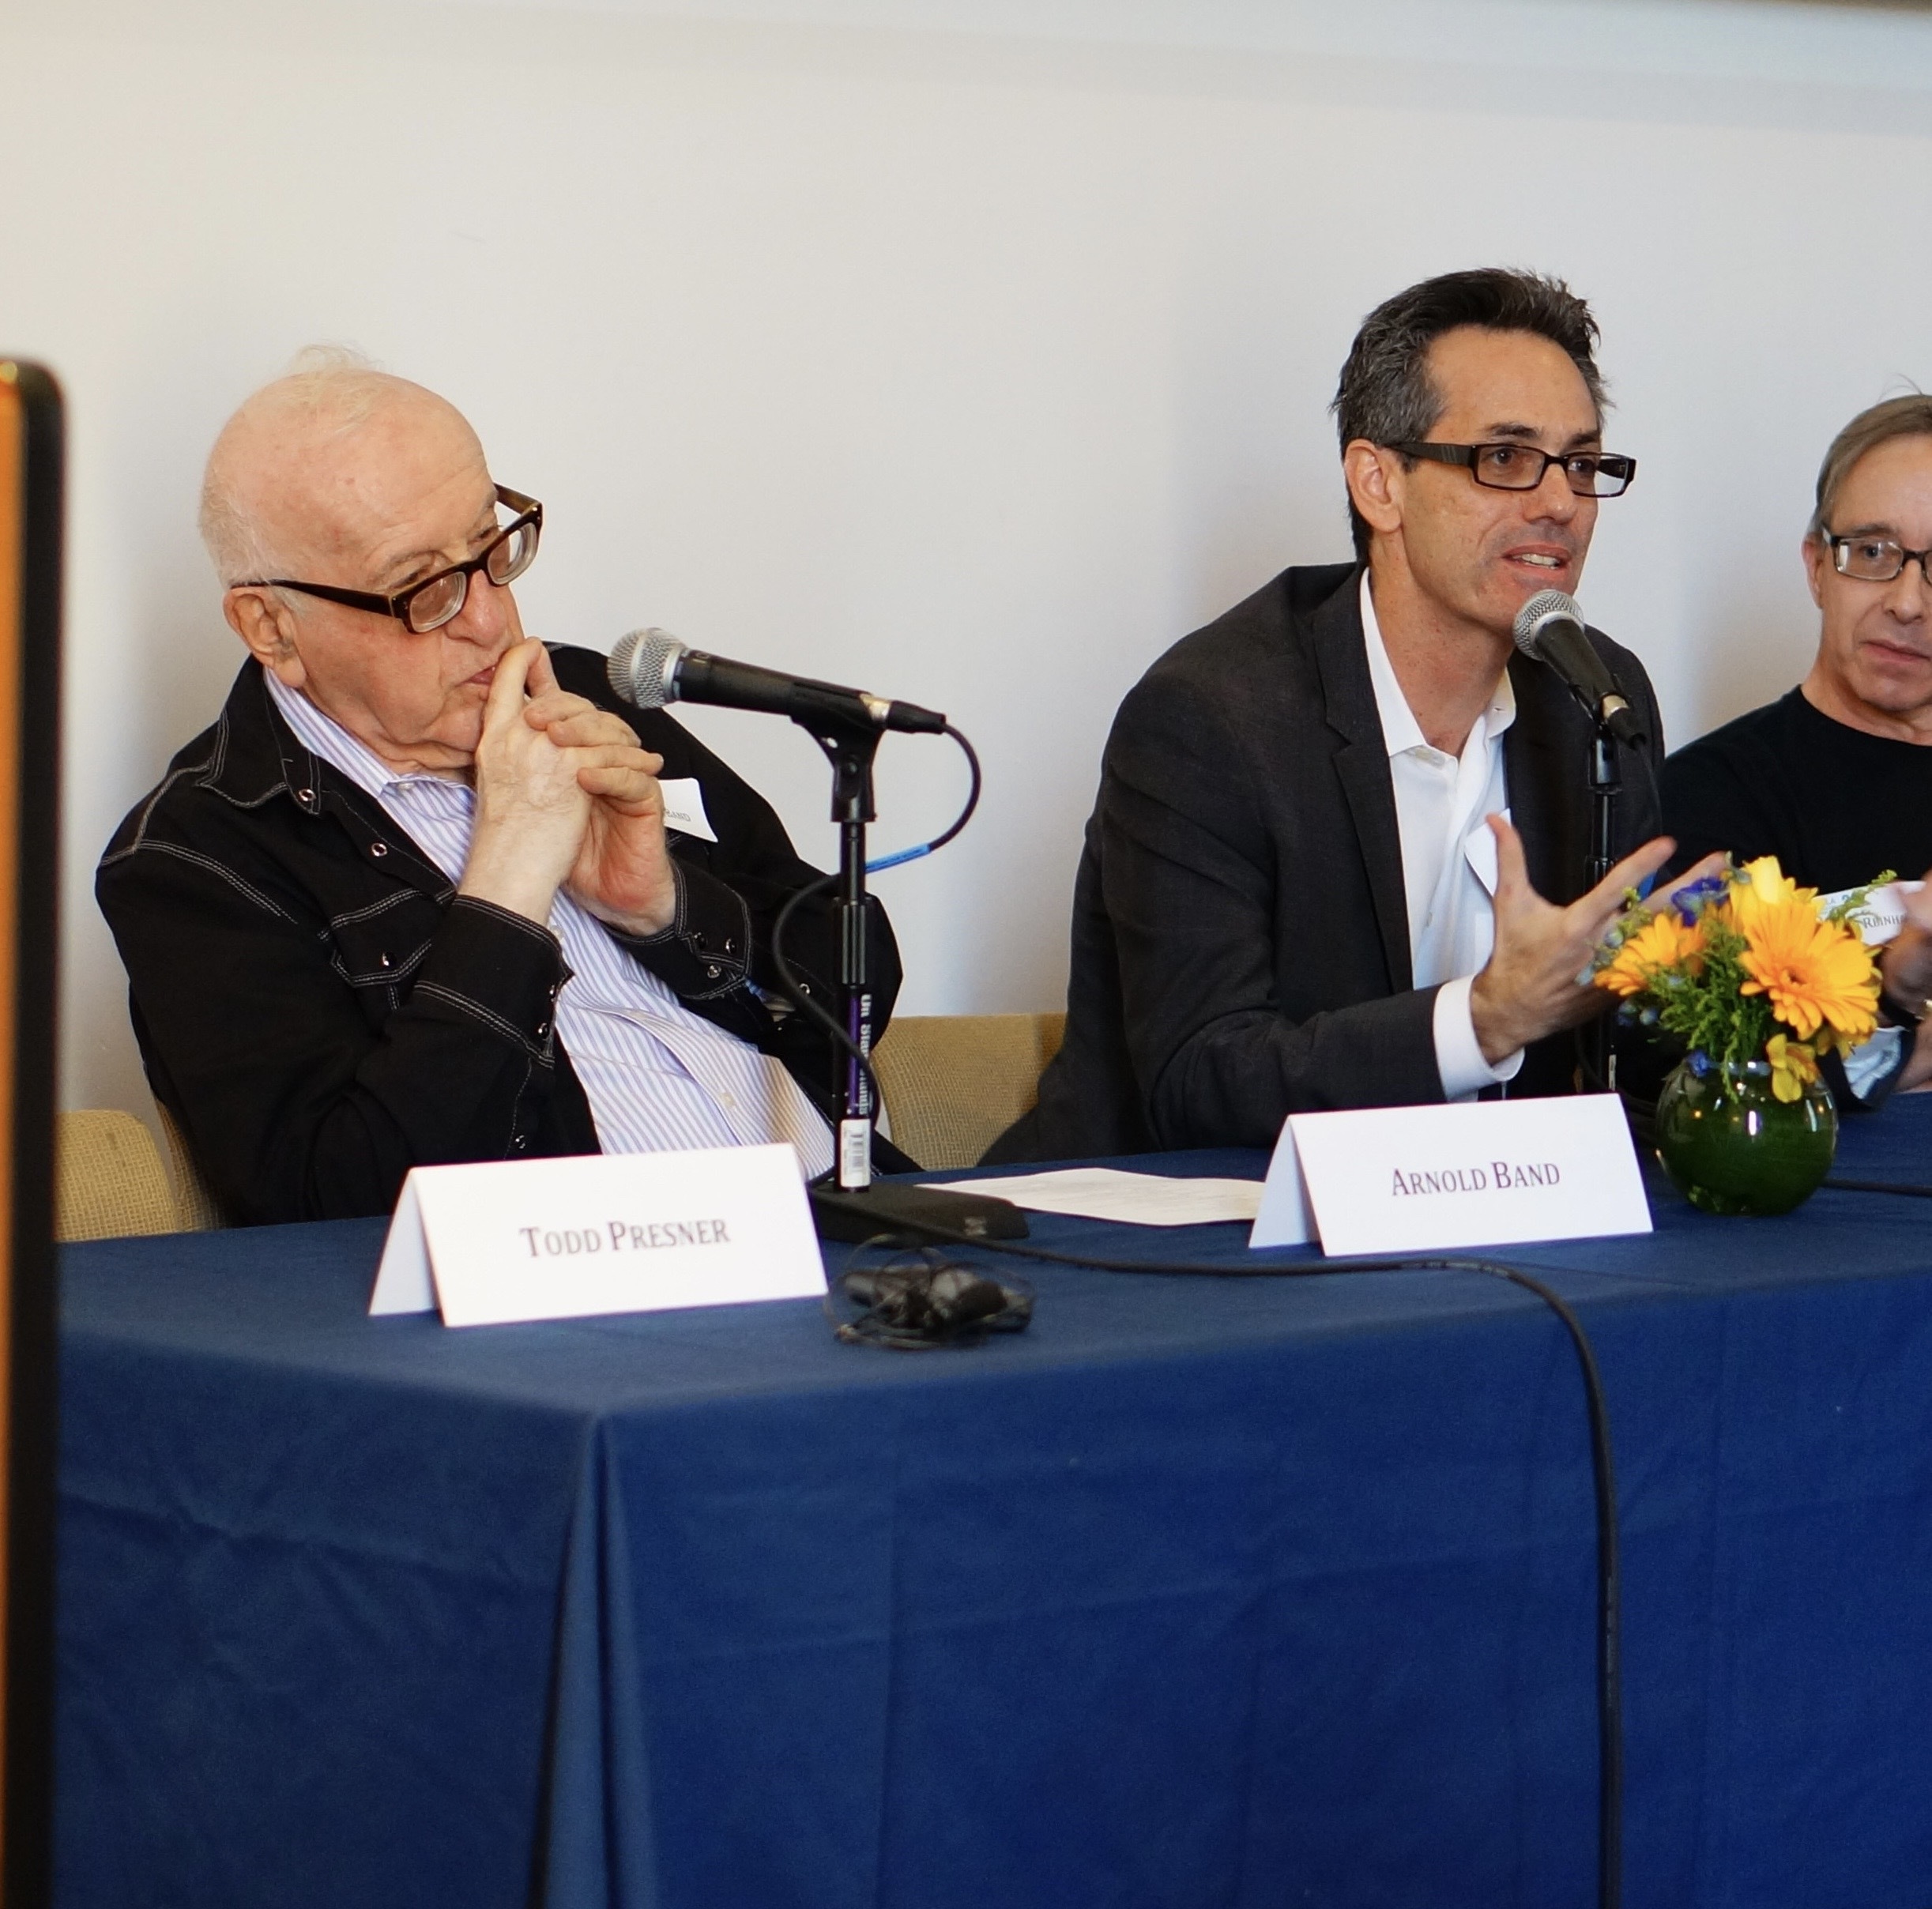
(1134, 1200)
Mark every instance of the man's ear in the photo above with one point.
(1818, 561)
(1375, 475)
(267, 626)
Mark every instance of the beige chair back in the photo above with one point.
(107, 1178)
(199, 1210)
(953, 1083)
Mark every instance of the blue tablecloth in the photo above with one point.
(1200, 1592)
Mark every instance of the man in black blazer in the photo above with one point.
(1338, 856)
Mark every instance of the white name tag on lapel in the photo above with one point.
(1479, 848)
(599, 1232)
(683, 808)
(1402, 1180)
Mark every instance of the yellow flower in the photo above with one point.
(1761, 888)
(1814, 973)
(1793, 1067)
(1665, 942)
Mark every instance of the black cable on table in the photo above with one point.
(1879, 1186)
(1609, 1673)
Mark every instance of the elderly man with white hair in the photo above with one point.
(412, 898)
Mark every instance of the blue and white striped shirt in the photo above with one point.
(658, 1077)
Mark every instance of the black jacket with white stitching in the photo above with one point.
(320, 1011)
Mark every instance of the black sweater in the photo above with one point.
(1835, 805)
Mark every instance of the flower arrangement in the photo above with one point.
(1741, 967)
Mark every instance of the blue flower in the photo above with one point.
(1691, 901)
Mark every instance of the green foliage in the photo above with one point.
(1857, 900)
(1708, 1010)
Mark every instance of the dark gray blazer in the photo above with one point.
(1240, 936)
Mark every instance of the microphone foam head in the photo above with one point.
(1545, 607)
(642, 668)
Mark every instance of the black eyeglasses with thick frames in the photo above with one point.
(428, 605)
(1873, 559)
(1520, 467)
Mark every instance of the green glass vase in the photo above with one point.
(1731, 1146)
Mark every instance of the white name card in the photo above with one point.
(599, 1232)
(1402, 1180)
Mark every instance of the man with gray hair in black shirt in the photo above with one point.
(1834, 778)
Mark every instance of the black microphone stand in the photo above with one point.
(1600, 1054)
(850, 1204)
(850, 747)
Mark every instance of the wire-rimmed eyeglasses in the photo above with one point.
(428, 605)
(1873, 559)
(1520, 467)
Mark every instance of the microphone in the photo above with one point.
(651, 668)
(1549, 628)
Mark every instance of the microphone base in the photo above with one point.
(897, 1213)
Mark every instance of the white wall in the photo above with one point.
(971, 350)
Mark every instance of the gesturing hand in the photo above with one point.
(1529, 987)
(559, 783)
(1906, 961)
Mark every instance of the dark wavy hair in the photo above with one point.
(1385, 395)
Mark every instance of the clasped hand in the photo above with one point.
(1530, 988)
(566, 798)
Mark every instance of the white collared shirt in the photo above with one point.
(658, 1078)
(1449, 856)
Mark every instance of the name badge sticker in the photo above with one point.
(1479, 848)
(683, 808)
(1395, 1180)
(500, 1241)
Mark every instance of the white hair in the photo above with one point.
(328, 390)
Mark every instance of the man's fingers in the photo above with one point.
(623, 756)
(554, 706)
(506, 687)
(541, 678)
(624, 781)
(633, 790)
(585, 727)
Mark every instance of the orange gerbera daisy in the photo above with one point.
(1814, 973)
(1761, 887)
(1665, 941)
